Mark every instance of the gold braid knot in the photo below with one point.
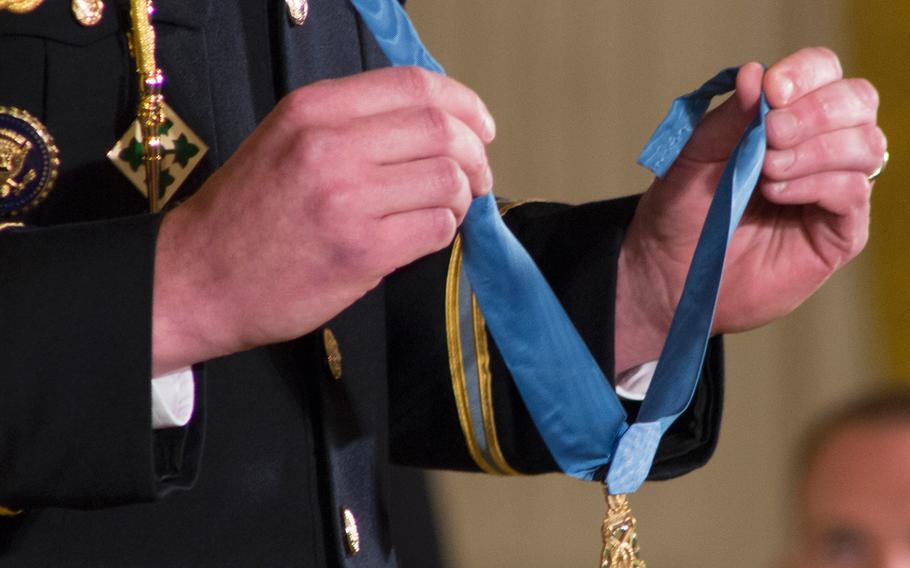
(620, 539)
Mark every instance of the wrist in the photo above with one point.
(189, 320)
(643, 308)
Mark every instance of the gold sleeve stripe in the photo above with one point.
(506, 206)
(470, 366)
(456, 364)
(4, 512)
(486, 395)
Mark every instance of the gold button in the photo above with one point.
(298, 11)
(88, 12)
(332, 353)
(351, 534)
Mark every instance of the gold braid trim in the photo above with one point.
(482, 349)
(143, 38)
(456, 364)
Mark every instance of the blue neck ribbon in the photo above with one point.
(573, 405)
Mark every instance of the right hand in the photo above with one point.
(343, 182)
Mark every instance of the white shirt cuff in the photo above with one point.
(174, 394)
(633, 384)
(173, 399)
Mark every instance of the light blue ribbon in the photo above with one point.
(679, 366)
(570, 400)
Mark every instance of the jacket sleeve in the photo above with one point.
(452, 401)
(75, 426)
(76, 290)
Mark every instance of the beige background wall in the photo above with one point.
(577, 86)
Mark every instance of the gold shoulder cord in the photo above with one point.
(151, 101)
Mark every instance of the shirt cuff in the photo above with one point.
(173, 399)
(633, 384)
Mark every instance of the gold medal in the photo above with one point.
(28, 162)
(19, 6)
(88, 12)
(620, 540)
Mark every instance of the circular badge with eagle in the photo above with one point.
(28, 162)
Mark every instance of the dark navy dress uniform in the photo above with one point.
(285, 461)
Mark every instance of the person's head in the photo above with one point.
(853, 494)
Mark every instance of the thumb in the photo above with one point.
(720, 130)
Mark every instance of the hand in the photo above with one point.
(808, 217)
(342, 183)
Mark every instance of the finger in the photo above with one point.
(721, 129)
(404, 237)
(799, 74)
(842, 104)
(384, 90)
(846, 195)
(859, 149)
(839, 192)
(406, 135)
(424, 184)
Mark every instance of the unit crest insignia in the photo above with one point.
(181, 151)
(28, 161)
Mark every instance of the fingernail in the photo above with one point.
(783, 159)
(488, 180)
(489, 128)
(784, 125)
(786, 89)
(777, 186)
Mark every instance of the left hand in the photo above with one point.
(809, 215)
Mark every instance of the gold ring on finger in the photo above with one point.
(874, 175)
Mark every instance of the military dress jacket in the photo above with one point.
(285, 460)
